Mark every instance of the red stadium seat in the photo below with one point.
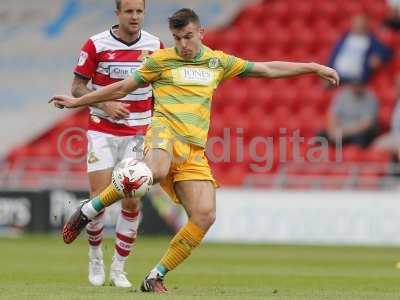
(329, 10)
(290, 98)
(351, 8)
(388, 37)
(260, 96)
(263, 124)
(255, 12)
(273, 53)
(231, 41)
(309, 121)
(252, 54)
(385, 115)
(235, 176)
(352, 153)
(279, 9)
(283, 38)
(375, 9)
(316, 97)
(303, 82)
(211, 39)
(300, 54)
(217, 125)
(218, 103)
(281, 114)
(244, 25)
(303, 36)
(376, 155)
(387, 96)
(302, 10)
(230, 115)
(256, 115)
(253, 39)
(322, 54)
(235, 96)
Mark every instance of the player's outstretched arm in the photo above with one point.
(111, 92)
(281, 69)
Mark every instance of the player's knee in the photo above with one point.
(159, 162)
(159, 170)
(205, 219)
(212, 218)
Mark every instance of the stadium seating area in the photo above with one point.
(270, 30)
(295, 31)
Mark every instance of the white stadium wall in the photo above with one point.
(307, 217)
(40, 44)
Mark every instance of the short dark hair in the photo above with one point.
(118, 4)
(183, 17)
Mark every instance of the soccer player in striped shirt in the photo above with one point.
(106, 58)
(184, 79)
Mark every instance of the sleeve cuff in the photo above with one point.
(81, 76)
(248, 67)
(139, 78)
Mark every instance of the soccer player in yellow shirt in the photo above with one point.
(184, 79)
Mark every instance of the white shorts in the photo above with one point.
(106, 150)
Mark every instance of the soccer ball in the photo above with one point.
(132, 178)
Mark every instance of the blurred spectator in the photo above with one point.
(390, 141)
(393, 19)
(358, 53)
(352, 116)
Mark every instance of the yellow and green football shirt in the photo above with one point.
(183, 90)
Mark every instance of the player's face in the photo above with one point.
(188, 40)
(131, 16)
(360, 24)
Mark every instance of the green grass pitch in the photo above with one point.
(42, 267)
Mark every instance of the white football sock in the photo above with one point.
(126, 232)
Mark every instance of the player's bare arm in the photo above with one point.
(111, 92)
(79, 86)
(280, 69)
(115, 109)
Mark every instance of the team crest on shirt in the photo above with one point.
(92, 158)
(213, 63)
(144, 55)
(95, 119)
(82, 58)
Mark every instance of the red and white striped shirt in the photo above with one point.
(105, 59)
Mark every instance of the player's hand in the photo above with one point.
(61, 101)
(328, 74)
(116, 109)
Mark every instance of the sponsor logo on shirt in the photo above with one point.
(121, 72)
(193, 76)
(111, 55)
